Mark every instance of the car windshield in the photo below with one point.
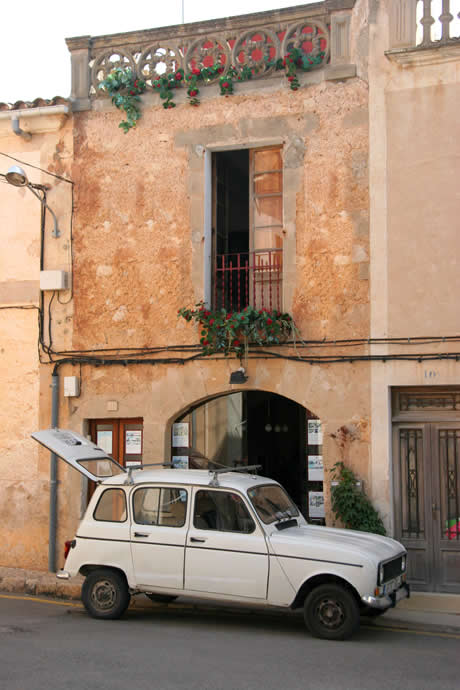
(272, 503)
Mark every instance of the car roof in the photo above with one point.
(236, 480)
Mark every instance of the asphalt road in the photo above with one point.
(56, 646)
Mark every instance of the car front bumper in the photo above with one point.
(389, 601)
(63, 575)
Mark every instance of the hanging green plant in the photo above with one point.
(224, 332)
(351, 505)
(125, 90)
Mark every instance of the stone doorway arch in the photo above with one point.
(247, 428)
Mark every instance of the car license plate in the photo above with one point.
(390, 586)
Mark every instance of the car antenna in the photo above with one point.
(241, 468)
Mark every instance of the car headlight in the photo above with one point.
(380, 574)
(403, 563)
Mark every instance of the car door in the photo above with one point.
(158, 534)
(226, 550)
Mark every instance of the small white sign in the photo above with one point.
(180, 462)
(132, 463)
(315, 468)
(315, 433)
(133, 442)
(316, 504)
(180, 435)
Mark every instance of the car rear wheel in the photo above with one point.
(105, 594)
(161, 598)
(331, 612)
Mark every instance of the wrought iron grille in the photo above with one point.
(449, 460)
(249, 278)
(412, 490)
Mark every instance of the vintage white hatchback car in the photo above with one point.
(221, 535)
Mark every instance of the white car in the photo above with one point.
(220, 535)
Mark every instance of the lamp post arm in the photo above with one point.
(56, 231)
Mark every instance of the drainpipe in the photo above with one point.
(53, 476)
(17, 130)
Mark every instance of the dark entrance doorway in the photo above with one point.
(250, 428)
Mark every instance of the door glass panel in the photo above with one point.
(268, 183)
(146, 505)
(104, 437)
(268, 210)
(132, 444)
(173, 507)
(412, 483)
(449, 461)
(222, 511)
(267, 160)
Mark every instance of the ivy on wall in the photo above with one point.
(125, 88)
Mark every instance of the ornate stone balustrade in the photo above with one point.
(246, 41)
(424, 24)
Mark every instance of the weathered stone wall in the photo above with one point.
(24, 481)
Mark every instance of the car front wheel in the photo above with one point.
(331, 612)
(105, 594)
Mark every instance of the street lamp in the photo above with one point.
(17, 177)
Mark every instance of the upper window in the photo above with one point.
(111, 506)
(165, 507)
(223, 511)
(248, 229)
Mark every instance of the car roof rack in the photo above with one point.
(129, 479)
(240, 468)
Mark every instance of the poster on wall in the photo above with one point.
(315, 433)
(315, 468)
(316, 504)
(180, 435)
(180, 462)
(104, 441)
(133, 442)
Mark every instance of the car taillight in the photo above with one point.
(67, 546)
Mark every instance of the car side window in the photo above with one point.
(111, 506)
(223, 511)
(166, 507)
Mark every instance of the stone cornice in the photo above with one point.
(421, 55)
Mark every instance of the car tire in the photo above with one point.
(331, 612)
(161, 598)
(105, 594)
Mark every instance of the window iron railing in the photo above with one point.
(249, 279)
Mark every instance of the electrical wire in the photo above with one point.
(36, 167)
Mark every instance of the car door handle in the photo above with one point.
(140, 534)
(197, 539)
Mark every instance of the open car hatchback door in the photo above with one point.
(80, 453)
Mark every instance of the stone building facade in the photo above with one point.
(361, 208)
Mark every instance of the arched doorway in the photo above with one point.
(250, 428)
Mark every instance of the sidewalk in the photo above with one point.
(430, 612)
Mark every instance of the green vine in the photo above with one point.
(223, 332)
(125, 89)
(351, 505)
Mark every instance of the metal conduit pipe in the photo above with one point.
(53, 476)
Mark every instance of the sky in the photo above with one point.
(33, 54)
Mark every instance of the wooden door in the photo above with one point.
(427, 502)
(122, 439)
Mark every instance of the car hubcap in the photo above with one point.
(104, 595)
(331, 614)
